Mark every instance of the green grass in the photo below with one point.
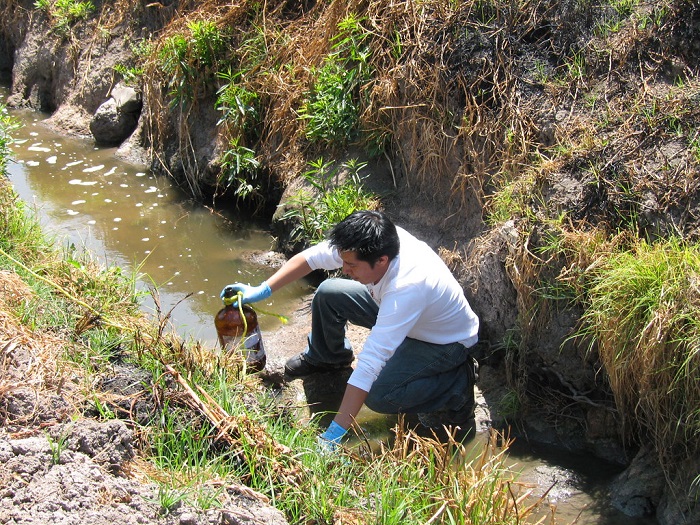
(642, 316)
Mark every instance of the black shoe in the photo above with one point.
(298, 366)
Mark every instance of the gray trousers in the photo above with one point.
(419, 377)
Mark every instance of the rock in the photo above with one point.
(116, 119)
(638, 490)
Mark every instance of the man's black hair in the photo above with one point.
(370, 234)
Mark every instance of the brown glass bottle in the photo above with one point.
(240, 333)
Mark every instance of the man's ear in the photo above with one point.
(383, 261)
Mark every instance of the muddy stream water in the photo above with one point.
(126, 216)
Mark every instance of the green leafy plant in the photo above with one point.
(238, 105)
(330, 201)
(239, 168)
(64, 13)
(332, 107)
(191, 59)
(131, 74)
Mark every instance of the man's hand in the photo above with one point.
(329, 441)
(251, 294)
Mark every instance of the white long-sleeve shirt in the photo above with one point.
(418, 297)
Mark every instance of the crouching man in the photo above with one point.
(415, 359)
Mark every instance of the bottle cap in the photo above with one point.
(230, 295)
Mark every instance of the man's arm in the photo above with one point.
(295, 268)
(350, 406)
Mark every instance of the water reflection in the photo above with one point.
(130, 217)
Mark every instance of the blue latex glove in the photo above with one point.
(251, 294)
(329, 441)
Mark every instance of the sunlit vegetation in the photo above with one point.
(326, 201)
(211, 423)
(63, 13)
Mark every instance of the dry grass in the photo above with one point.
(30, 361)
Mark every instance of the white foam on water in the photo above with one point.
(145, 239)
(32, 163)
(112, 171)
(140, 174)
(108, 200)
(94, 169)
(117, 219)
(52, 159)
(75, 203)
(74, 163)
(80, 182)
(152, 189)
(39, 148)
(72, 212)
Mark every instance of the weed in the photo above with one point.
(331, 110)
(131, 74)
(8, 125)
(238, 105)
(331, 201)
(641, 314)
(240, 167)
(64, 13)
(191, 59)
(169, 498)
(58, 446)
(695, 146)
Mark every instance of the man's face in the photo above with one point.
(362, 271)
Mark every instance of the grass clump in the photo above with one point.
(642, 317)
